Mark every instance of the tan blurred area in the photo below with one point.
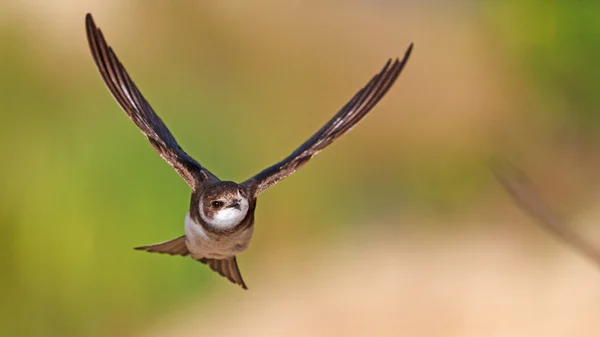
(397, 229)
(468, 285)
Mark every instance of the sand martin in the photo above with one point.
(220, 220)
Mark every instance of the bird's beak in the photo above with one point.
(235, 203)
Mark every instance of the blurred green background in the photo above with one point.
(396, 227)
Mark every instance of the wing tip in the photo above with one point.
(398, 63)
(407, 54)
(90, 25)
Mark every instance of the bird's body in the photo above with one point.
(219, 240)
(220, 221)
(201, 243)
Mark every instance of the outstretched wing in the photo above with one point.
(342, 122)
(526, 197)
(139, 110)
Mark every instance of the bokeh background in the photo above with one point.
(397, 229)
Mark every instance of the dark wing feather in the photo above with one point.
(526, 197)
(227, 268)
(139, 110)
(342, 122)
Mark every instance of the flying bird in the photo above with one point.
(220, 220)
(525, 195)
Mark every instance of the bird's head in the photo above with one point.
(224, 205)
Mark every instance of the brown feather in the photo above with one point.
(171, 247)
(227, 268)
(355, 110)
(139, 110)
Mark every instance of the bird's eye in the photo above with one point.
(242, 193)
(216, 204)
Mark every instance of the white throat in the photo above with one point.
(227, 217)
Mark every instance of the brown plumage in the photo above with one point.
(139, 110)
(342, 122)
(227, 268)
(220, 222)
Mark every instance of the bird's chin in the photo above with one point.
(226, 218)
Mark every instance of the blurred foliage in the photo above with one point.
(557, 45)
(81, 186)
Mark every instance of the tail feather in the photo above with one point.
(227, 268)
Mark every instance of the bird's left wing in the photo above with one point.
(342, 122)
(139, 110)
